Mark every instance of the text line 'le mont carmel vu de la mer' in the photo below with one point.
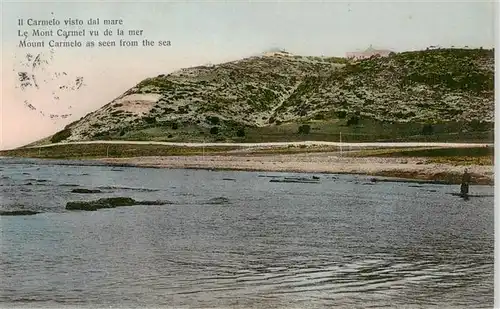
(64, 33)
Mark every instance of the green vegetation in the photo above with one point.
(240, 132)
(102, 150)
(61, 136)
(464, 160)
(431, 95)
(214, 130)
(90, 151)
(442, 177)
(431, 152)
(304, 129)
(214, 120)
(455, 69)
(454, 156)
(369, 130)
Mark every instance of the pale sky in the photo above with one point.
(207, 32)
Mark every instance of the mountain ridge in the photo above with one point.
(451, 89)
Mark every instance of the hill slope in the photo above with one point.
(443, 92)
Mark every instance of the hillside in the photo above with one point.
(444, 94)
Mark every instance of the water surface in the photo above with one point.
(235, 240)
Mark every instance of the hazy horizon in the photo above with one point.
(203, 33)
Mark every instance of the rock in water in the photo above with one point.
(218, 200)
(152, 202)
(110, 202)
(18, 212)
(85, 191)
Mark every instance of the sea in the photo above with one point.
(232, 239)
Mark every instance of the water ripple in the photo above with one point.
(241, 244)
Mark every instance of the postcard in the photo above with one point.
(236, 154)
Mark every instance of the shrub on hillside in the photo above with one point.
(240, 132)
(341, 114)
(354, 120)
(214, 130)
(477, 125)
(319, 116)
(150, 120)
(213, 120)
(427, 129)
(60, 136)
(304, 129)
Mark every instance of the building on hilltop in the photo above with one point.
(369, 52)
(277, 53)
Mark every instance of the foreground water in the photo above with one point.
(236, 240)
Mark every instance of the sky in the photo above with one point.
(201, 33)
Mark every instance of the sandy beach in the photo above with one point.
(410, 168)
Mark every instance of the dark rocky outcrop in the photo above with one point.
(23, 212)
(152, 202)
(128, 188)
(218, 201)
(405, 180)
(110, 202)
(86, 191)
(296, 180)
(471, 195)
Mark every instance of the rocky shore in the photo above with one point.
(410, 168)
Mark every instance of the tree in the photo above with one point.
(60, 136)
(150, 120)
(214, 130)
(319, 116)
(304, 129)
(341, 114)
(240, 132)
(213, 120)
(354, 120)
(427, 129)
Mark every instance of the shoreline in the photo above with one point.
(429, 164)
(358, 145)
(402, 168)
